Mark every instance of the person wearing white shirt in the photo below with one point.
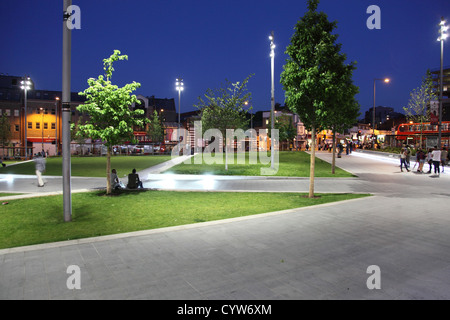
(436, 157)
(115, 182)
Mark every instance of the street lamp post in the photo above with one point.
(442, 37)
(25, 85)
(386, 80)
(251, 125)
(66, 112)
(179, 87)
(42, 129)
(272, 107)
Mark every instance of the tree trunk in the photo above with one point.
(333, 161)
(313, 162)
(421, 132)
(108, 170)
(226, 154)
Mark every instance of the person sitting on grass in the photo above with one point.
(115, 182)
(134, 181)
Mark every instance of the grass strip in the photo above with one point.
(40, 220)
(291, 164)
(90, 166)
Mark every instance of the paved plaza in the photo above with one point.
(320, 252)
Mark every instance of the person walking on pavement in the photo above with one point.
(436, 156)
(429, 159)
(403, 159)
(408, 155)
(40, 168)
(420, 158)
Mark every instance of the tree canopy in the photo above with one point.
(111, 118)
(316, 80)
(155, 129)
(225, 108)
(418, 108)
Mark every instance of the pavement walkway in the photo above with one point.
(320, 252)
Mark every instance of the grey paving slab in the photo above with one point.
(321, 252)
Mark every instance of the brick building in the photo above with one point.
(41, 121)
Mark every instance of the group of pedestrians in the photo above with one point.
(435, 157)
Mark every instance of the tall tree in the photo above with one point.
(108, 106)
(77, 135)
(418, 108)
(309, 74)
(5, 131)
(343, 108)
(225, 108)
(155, 129)
(286, 130)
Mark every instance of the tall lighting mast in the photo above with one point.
(442, 37)
(272, 100)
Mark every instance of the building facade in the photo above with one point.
(38, 121)
(35, 126)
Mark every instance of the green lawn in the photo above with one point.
(291, 164)
(89, 166)
(40, 220)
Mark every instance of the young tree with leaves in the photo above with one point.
(5, 131)
(224, 108)
(343, 107)
(418, 108)
(109, 108)
(77, 135)
(310, 74)
(155, 127)
(286, 130)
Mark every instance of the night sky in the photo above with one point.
(208, 41)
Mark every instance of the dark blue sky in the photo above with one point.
(208, 41)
